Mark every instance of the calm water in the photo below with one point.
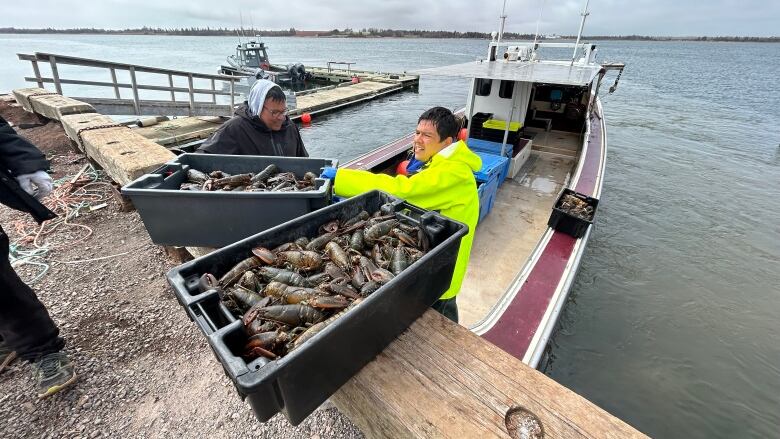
(673, 321)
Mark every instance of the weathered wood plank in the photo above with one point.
(73, 123)
(55, 106)
(439, 379)
(22, 96)
(181, 130)
(123, 154)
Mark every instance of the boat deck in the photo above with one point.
(506, 238)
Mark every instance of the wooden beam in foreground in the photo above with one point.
(439, 379)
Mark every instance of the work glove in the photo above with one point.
(329, 173)
(38, 184)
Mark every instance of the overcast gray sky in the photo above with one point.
(608, 17)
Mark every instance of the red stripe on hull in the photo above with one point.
(517, 325)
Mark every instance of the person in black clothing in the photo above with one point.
(259, 127)
(26, 329)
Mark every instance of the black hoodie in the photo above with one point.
(245, 134)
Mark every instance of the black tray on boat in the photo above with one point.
(299, 382)
(215, 219)
(567, 223)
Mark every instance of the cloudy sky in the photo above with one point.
(608, 17)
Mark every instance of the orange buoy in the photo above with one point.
(306, 118)
(401, 168)
(463, 134)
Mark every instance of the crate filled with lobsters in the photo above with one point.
(294, 312)
(212, 200)
(573, 213)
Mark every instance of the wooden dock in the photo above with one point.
(437, 379)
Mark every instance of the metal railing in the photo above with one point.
(137, 106)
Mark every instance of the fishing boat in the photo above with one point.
(546, 117)
(251, 62)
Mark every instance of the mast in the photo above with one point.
(584, 14)
(503, 20)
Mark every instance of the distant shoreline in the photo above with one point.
(369, 33)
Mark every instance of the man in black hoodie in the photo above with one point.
(26, 329)
(259, 127)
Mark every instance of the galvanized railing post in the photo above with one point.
(113, 81)
(55, 74)
(37, 72)
(136, 101)
(192, 95)
(170, 82)
(213, 89)
(232, 96)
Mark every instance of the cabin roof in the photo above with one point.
(549, 72)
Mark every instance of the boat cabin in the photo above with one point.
(252, 55)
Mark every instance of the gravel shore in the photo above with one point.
(144, 369)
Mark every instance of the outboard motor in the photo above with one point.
(297, 73)
(301, 71)
(293, 72)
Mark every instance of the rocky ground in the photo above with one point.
(144, 369)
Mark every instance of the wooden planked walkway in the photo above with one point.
(330, 99)
(440, 380)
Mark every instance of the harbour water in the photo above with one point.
(672, 323)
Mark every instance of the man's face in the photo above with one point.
(427, 142)
(273, 114)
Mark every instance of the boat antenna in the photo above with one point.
(503, 20)
(536, 37)
(241, 17)
(252, 24)
(584, 14)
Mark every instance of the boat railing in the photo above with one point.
(586, 48)
(169, 105)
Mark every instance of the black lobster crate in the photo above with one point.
(301, 381)
(215, 219)
(567, 223)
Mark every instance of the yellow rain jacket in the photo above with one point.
(445, 184)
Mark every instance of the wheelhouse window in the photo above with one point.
(505, 89)
(483, 86)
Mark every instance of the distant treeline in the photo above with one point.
(361, 33)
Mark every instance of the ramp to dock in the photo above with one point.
(438, 379)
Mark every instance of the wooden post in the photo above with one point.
(55, 74)
(192, 95)
(170, 82)
(438, 379)
(113, 80)
(37, 72)
(136, 101)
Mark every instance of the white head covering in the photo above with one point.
(257, 94)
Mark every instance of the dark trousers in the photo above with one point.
(448, 308)
(25, 325)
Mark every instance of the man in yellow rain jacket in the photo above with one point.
(445, 183)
